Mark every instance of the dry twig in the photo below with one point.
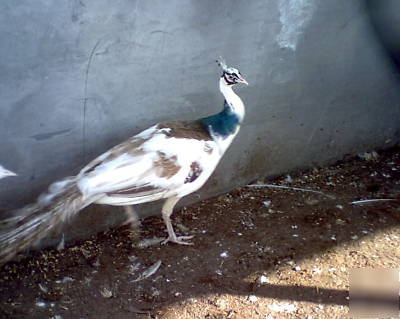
(292, 188)
(365, 201)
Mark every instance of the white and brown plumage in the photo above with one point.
(5, 172)
(167, 161)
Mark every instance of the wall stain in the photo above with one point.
(46, 136)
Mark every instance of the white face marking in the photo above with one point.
(232, 98)
(232, 70)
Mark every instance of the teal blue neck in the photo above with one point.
(222, 124)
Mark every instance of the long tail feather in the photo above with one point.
(34, 222)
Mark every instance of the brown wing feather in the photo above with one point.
(186, 129)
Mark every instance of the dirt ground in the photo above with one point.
(258, 252)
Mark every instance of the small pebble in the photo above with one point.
(288, 179)
(263, 279)
(267, 203)
(67, 279)
(317, 270)
(340, 222)
(221, 303)
(312, 202)
(106, 293)
(224, 254)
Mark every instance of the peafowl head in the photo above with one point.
(231, 76)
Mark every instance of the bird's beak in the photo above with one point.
(242, 80)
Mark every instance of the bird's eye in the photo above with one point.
(231, 77)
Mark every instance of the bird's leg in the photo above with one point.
(132, 217)
(167, 210)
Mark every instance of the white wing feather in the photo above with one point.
(108, 174)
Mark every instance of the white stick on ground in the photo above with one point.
(149, 271)
(292, 188)
(365, 201)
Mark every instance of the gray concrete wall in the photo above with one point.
(77, 77)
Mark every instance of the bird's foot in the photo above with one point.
(181, 240)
